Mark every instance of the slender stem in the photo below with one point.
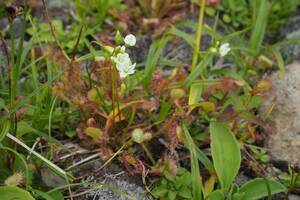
(117, 97)
(12, 79)
(11, 67)
(52, 29)
(148, 153)
(113, 92)
(50, 116)
(198, 35)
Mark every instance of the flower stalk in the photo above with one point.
(198, 35)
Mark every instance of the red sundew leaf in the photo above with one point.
(262, 87)
(250, 130)
(213, 2)
(226, 85)
(20, 113)
(132, 163)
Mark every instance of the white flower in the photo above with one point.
(121, 60)
(130, 40)
(124, 64)
(224, 49)
(127, 70)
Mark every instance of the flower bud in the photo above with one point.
(147, 136)
(118, 38)
(177, 93)
(137, 135)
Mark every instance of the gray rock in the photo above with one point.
(289, 31)
(51, 179)
(116, 184)
(16, 26)
(294, 197)
(56, 4)
(4, 24)
(284, 142)
(181, 51)
(241, 179)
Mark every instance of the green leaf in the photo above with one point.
(2, 103)
(40, 194)
(199, 70)
(93, 132)
(225, 153)
(185, 192)
(172, 195)
(190, 39)
(164, 111)
(12, 192)
(57, 195)
(204, 160)
(279, 59)
(195, 94)
(195, 172)
(160, 191)
(153, 57)
(258, 188)
(4, 128)
(260, 26)
(216, 195)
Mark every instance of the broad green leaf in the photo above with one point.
(225, 153)
(258, 188)
(12, 192)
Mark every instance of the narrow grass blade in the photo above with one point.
(260, 26)
(195, 171)
(154, 54)
(57, 169)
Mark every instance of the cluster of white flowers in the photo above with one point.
(122, 59)
(223, 50)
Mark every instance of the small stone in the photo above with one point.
(111, 182)
(294, 197)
